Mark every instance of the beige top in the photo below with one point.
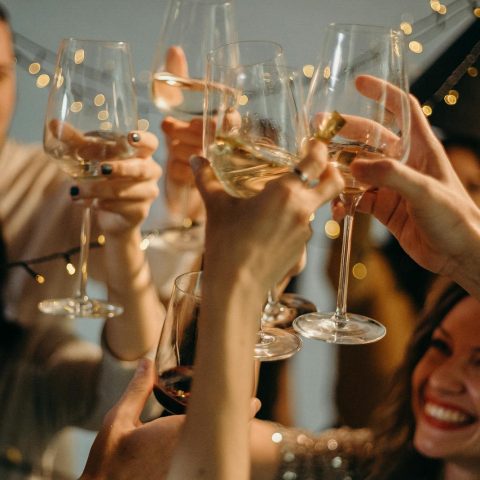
(52, 380)
(37, 218)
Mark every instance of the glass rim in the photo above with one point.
(279, 52)
(179, 278)
(219, 3)
(353, 26)
(117, 43)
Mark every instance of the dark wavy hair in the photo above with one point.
(395, 456)
(4, 15)
(10, 332)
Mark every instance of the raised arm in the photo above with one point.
(122, 200)
(250, 245)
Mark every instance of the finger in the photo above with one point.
(364, 130)
(145, 143)
(133, 169)
(403, 179)
(118, 190)
(255, 407)
(65, 132)
(205, 179)
(133, 400)
(176, 61)
(383, 92)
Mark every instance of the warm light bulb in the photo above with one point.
(359, 271)
(332, 229)
(308, 70)
(43, 80)
(34, 68)
(427, 110)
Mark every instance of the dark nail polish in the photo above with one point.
(135, 137)
(106, 169)
(74, 191)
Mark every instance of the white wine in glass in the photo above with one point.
(253, 133)
(92, 106)
(191, 29)
(361, 86)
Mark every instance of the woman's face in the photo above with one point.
(446, 389)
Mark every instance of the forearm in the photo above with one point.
(217, 425)
(129, 282)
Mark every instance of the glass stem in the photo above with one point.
(184, 206)
(350, 201)
(84, 250)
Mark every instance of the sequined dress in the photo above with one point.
(335, 454)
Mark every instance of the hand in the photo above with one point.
(422, 203)
(265, 234)
(124, 447)
(183, 140)
(124, 194)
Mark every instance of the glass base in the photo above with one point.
(283, 313)
(353, 329)
(80, 308)
(276, 344)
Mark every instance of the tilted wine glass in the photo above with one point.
(253, 133)
(92, 106)
(360, 86)
(176, 348)
(191, 29)
(281, 310)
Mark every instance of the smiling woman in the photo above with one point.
(446, 388)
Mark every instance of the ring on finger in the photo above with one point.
(304, 178)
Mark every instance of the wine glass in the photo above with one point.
(91, 108)
(360, 90)
(191, 29)
(281, 310)
(176, 348)
(253, 133)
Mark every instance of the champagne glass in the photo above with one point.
(281, 310)
(191, 29)
(91, 108)
(253, 133)
(369, 123)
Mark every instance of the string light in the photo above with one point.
(66, 256)
(69, 265)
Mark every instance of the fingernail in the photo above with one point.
(195, 162)
(134, 137)
(74, 191)
(106, 169)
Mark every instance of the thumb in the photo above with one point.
(133, 400)
(205, 179)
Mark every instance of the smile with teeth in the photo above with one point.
(447, 415)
